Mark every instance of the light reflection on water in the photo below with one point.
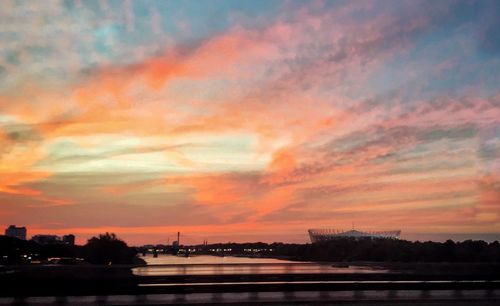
(206, 265)
(207, 259)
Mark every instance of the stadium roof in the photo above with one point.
(329, 234)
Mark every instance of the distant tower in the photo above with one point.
(178, 238)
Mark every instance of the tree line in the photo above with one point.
(376, 250)
(103, 249)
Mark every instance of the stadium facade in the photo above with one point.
(325, 234)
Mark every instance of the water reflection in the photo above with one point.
(207, 259)
(207, 265)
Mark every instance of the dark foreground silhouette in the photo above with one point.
(101, 266)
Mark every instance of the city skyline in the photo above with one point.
(251, 119)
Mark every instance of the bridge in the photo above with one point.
(248, 284)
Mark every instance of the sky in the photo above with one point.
(250, 120)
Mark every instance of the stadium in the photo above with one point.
(326, 234)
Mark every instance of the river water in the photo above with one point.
(206, 265)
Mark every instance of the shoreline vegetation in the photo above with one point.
(361, 250)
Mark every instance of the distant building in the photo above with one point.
(46, 239)
(69, 239)
(325, 234)
(16, 232)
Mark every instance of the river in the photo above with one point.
(206, 264)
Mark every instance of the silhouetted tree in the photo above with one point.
(108, 249)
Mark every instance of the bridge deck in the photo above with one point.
(119, 286)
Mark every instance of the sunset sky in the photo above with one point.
(249, 120)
